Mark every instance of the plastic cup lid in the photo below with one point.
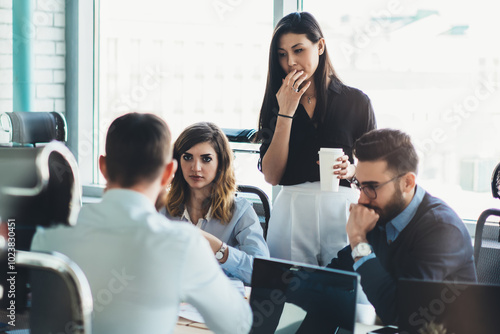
(330, 150)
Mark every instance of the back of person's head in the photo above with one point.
(390, 145)
(138, 146)
(224, 184)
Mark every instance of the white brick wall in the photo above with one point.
(52, 6)
(43, 19)
(44, 47)
(49, 62)
(59, 20)
(6, 76)
(5, 55)
(5, 15)
(6, 4)
(49, 48)
(5, 91)
(43, 76)
(59, 76)
(5, 30)
(5, 61)
(5, 46)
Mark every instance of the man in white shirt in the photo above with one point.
(140, 266)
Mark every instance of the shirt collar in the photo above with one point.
(185, 216)
(335, 85)
(401, 221)
(131, 197)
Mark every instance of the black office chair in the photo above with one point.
(260, 203)
(32, 128)
(240, 135)
(62, 300)
(487, 239)
(39, 186)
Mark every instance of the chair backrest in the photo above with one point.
(61, 296)
(34, 127)
(240, 135)
(487, 248)
(260, 202)
(487, 239)
(495, 182)
(39, 186)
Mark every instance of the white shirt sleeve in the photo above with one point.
(206, 287)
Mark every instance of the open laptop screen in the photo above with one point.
(458, 308)
(294, 298)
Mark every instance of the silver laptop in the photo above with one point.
(290, 297)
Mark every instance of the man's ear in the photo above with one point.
(168, 173)
(409, 182)
(103, 167)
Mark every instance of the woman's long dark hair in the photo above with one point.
(296, 23)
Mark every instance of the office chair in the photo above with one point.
(39, 186)
(487, 239)
(260, 204)
(240, 135)
(33, 127)
(61, 296)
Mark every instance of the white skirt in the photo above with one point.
(308, 225)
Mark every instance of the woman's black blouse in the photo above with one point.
(349, 116)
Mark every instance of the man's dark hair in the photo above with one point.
(393, 146)
(138, 146)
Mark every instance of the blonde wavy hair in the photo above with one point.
(221, 199)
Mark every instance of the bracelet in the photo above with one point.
(286, 116)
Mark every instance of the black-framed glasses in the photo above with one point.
(370, 190)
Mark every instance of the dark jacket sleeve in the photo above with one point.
(343, 261)
(430, 249)
(380, 288)
(377, 283)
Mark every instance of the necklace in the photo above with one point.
(309, 99)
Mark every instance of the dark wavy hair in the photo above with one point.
(224, 185)
(393, 146)
(296, 23)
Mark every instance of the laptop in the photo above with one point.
(460, 308)
(290, 298)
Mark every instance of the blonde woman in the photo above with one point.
(203, 193)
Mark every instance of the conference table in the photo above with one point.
(365, 315)
(188, 327)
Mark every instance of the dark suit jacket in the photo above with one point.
(435, 245)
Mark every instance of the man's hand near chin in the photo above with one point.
(361, 221)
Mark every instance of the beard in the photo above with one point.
(393, 208)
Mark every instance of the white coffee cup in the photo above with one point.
(327, 159)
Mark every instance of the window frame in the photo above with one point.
(82, 107)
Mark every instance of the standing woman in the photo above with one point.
(307, 107)
(203, 193)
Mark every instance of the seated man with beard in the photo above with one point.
(397, 229)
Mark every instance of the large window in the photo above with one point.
(431, 68)
(186, 61)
